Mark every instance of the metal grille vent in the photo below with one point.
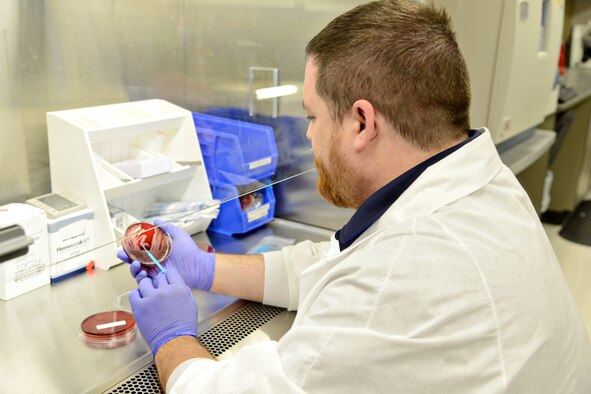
(143, 381)
(217, 340)
(237, 326)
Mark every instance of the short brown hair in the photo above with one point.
(403, 57)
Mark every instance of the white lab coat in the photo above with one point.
(455, 289)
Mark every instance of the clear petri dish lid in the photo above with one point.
(141, 237)
(108, 329)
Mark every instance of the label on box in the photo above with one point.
(71, 247)
(26, 269)
(259, 163)
(30, 271)
(258, 213)
(71, 240)
(69, 256)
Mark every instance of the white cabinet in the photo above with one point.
(84, 143)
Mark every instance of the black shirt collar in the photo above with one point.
(379, 202)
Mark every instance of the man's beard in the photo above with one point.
(340, 186)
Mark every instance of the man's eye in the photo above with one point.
(310, 118)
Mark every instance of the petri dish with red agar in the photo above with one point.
(108, 329)
(141, 238)
(251, 201)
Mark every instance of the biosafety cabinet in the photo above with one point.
(512, 49)
(115, 74)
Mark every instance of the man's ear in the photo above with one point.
(364, 117)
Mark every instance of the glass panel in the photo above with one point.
(238, 68)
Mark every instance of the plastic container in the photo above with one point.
(235, 216)
(145, 165)
(236, 147)
(289, 131)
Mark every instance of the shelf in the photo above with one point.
(522, 155)
(138, 185)
(119, 232)
(102, 134)
(85, 142)
(580, 80)
(108, 122)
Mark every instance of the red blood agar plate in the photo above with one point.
(142, 235)
(108, 329)
(245, 201)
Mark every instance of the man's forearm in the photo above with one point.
(240, 276)
(174, 353)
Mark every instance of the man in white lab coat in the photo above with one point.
(443, 280)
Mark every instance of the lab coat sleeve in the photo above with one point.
(255, 369)
(283, 269)
(204, 368)
(312, 360)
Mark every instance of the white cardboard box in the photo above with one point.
(71, 239)
(28, 272)
(145, 166)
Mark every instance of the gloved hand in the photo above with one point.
(196, 267)
(164, 309)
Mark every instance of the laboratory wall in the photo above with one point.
(62, 54)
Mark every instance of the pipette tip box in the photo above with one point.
(71, 240)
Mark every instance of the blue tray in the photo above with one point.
(236, 147)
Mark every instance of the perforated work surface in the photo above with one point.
(236, 327)
(217, 340)
(144, 381)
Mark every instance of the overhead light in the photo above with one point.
(275, 91)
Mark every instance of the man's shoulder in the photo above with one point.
(419, 240)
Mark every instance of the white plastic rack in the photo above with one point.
(85, 143)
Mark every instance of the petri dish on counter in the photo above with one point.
(141, 237)
(108, 329)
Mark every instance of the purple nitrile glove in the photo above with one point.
(164, 309)
(196, 267)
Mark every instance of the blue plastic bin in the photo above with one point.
(236, 147)
(232, 219)
(290, 132)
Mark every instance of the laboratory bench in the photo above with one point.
(43, 353)
(571, 166)
(528, 160)
(561, 145)
(580, 80)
